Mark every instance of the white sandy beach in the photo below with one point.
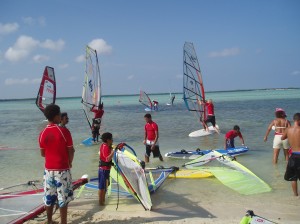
(184, 208)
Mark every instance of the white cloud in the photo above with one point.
(40, 58)
(80, 58)
(8, 28)
(24, 81)
(63, 66)
(53, 45)
(100, 46)
(225, 52)
(31, 21)
(130, 77)
(26, 44)
(21, 49)
(295, 73)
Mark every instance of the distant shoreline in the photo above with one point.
(218, 91)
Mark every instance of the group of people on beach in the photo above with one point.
(56, 145)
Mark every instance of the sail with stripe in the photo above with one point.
(91, 94)
(193, 88)
(47, 91)
(145, 99)
(20, 206)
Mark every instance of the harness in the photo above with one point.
(103, 163)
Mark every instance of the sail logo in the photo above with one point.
(49, 87)
(91, 85)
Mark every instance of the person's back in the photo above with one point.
(292, 172)
(280, 125)
(293, 134)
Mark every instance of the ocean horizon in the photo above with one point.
(137, 94)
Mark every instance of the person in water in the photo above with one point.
(230, 135)
(64, 120)
(172, 99)
(98, 113)
(292, 172)
(151, 139)
(210, 115)
(105, 162)
(155, 105)
(56, 145)
(279, 124)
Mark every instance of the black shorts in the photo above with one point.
(156, 152)
(292, 172)
(211, 119)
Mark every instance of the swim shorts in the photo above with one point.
(230, 143)
(103, 178)
(279, 144)
(58, 187)
(211, 119)
(156, 151)
(292, 172)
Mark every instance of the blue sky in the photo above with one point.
(240, 44)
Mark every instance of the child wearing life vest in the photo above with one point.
(105, 163)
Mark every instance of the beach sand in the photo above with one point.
(184, 208)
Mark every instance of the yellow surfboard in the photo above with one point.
(190, 173)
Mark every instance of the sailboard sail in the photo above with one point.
(234, 175)
(145, 99)
(193, 89)
(47, 91)
(19, 207)
(91, 94)
(133, 176)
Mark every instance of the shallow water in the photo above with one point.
(21, 123)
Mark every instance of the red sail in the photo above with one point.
(47, 90)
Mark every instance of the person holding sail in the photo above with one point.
(98, 113)
(210, 115)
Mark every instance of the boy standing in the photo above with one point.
(230, 135)
(98, 114)
(56, 145)
(292, 172)
(151, 139)
(106, 154)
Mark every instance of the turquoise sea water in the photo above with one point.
(21, 122)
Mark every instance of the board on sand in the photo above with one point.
(187, 154)
(190, 174)
(203, 132)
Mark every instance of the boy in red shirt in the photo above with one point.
(230, 135)
(98, 113)
(151, 139)
(210, 115)
(105, 162)
(56, 146)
